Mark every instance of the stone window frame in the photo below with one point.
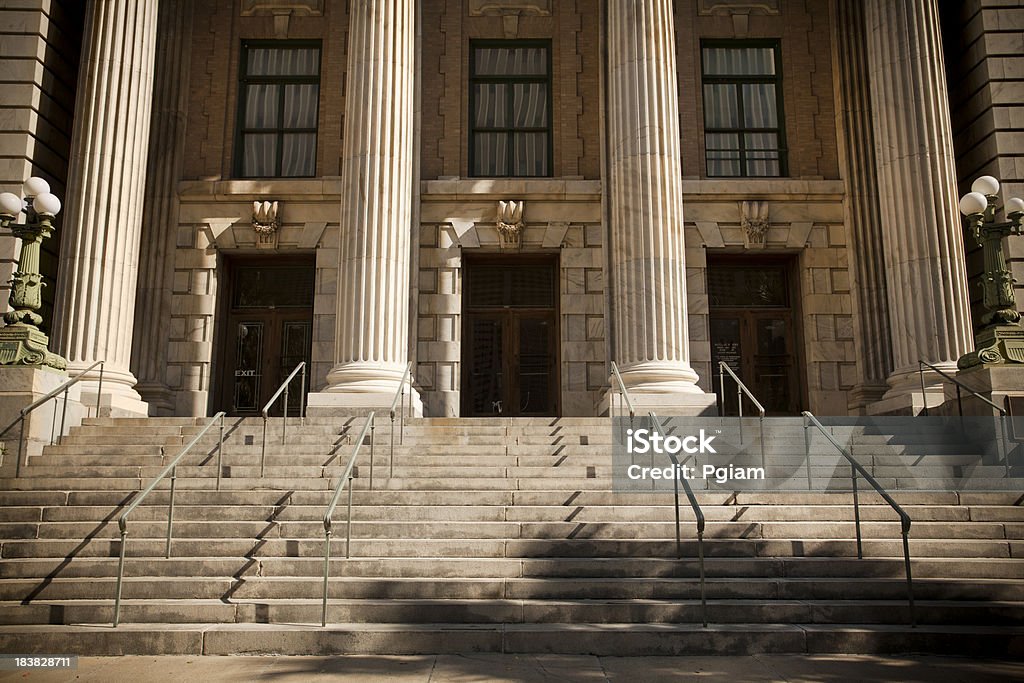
(245, 79)
(777, 80)
(548, 80)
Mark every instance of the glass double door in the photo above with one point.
(510, 339)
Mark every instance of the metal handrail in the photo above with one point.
(345, 478)
(741, 389)
(921, 365)
(855, 468)
(284, 427)
(122, 521)
(399, 397)
(63, 388)
(698, 513)
(623, 392)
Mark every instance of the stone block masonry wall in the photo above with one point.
(215, 222)
(39, 54)
(806, 223)
(984, 43)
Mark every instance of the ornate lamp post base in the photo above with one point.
(995, 345)
(25, 345)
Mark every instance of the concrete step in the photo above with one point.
(608, 639)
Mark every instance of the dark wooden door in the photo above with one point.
(268, 331)
(510, 339)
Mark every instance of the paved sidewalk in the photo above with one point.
(497, 668)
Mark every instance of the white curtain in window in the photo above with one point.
(739, 61)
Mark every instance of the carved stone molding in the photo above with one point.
(308, 7)
(479, 8)
(755, 222)
(265, 223)
(708, 7)
(510, 223)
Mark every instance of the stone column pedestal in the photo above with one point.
(20, 387)
(994, 382)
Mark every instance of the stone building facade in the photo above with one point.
(511, 195)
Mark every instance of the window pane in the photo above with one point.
(739, 61)
(260, 155)
(759, 105)
(491, 102)
(298, 155)
(530, 105)
(721, 106)
(530, 154)
(260, 287)
(511, 61)
(721, 141)
(490, 154)
(761, 141)
(300, 105)
(763, 164)
(724, 164)
(746, 287)
(268, 61)
(261, 106)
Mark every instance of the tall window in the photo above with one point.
(279, 98)
(743, 135)
(510, 109)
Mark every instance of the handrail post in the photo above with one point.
(120, 578)
(170, 513)
(263, 449)
(679, 540)
(807, 449)
(327, 567)
(284, 424)
(401, 416)
(761, 422)
(348, 522)
(910, 579)
(53, 424)
(220, 452)
(302, 397)
(924, 395)
(856, 511)
(99, 391)
(373, 427)
(21, 447)
(391, 458)
(739, 404)
(959, 401)
(721, 389)
(703, 591)
(63, 417)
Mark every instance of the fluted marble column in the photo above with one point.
(372, 325)
(95, 309)
(921, 229)
(873, 340)
(650, 343)
(160, 211)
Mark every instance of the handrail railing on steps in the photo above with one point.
(266, 409)
(122, 521)
(62, 389)
(346, 478)
(623, 393)
(741, 389)
(1004, 447)
(698, 513)
(855, 469)
(399, 398)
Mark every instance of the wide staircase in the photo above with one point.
(495, 535)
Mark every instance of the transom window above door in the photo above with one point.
(510, 109)
(279, 100)
(743, 131)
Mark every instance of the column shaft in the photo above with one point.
(160, 210)
(927, 283)
(647, 258)
(95, 309)
(372, 330)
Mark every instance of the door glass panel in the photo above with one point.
(747, 287)
(289, 287)
(534, 366)
(249, 352)
(487, 361)
(295, 348)
(772, 365)
(726, 346)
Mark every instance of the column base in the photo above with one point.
(688, 404)
(994, 345)
(20, 387)
(118, 399)
(905, 396)
(23, 345)
(863, 396)
(334, 403)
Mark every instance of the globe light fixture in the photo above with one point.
(1000, 339)
(21, 340)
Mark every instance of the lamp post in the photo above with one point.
(21, 340)
(1000, 339)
